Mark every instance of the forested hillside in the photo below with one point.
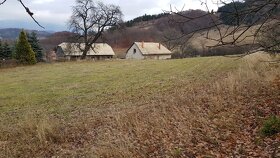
(153, 28)
(12, 33)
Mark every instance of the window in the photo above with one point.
(134, 51)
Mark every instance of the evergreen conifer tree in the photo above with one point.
(24, 52)
(7, 52)
(1, 51)
(34, 42)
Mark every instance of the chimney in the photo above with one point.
(159, 45)
(142, 44)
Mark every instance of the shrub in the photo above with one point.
(271, 126)
(186, 52)
(226, 50)
(8, 63)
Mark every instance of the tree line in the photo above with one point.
(241, 12)
(145, 18)
(26, 50)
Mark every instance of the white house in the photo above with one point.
(71, 51)
(148, 50)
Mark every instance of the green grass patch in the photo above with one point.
(65, 89)
(271, 126)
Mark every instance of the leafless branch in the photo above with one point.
(3, 2)
(28, 11)
(262, 13)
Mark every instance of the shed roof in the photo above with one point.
(152, 48)
(72, 49)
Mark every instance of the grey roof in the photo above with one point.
(72, 49)
(152, 48)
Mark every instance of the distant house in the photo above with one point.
(71, 51)
(51, 56)
(148, 50)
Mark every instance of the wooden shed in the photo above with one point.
(148, 50)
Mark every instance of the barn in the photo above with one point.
(71, 51)
(148, 50)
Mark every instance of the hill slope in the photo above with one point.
(199, 107)
(151, 28)
(12, 33)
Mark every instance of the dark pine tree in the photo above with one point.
(7, 51)
(1, 51)
(24, 52)
(35, 45)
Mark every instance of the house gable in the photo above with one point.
(148, 50)
(134, 53)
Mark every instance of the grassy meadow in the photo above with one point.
(207, 107)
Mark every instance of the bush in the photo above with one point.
(271, 126)
(190, 51)
(186, 52)
(8, 63)
(269, 38)
(227, 50)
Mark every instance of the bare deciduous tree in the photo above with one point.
(90, 19)
(244, 19)
(27, 11)
(269, 38)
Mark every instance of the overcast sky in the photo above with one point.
(53, 14)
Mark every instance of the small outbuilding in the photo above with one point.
(148, 50)
(51, 56)
(71, 51)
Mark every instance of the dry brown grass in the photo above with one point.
(199, 40)
(218, 118)
(192, 120)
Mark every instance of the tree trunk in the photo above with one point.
(84, 55)
(85, 51)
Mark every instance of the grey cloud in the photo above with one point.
(57, 12)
